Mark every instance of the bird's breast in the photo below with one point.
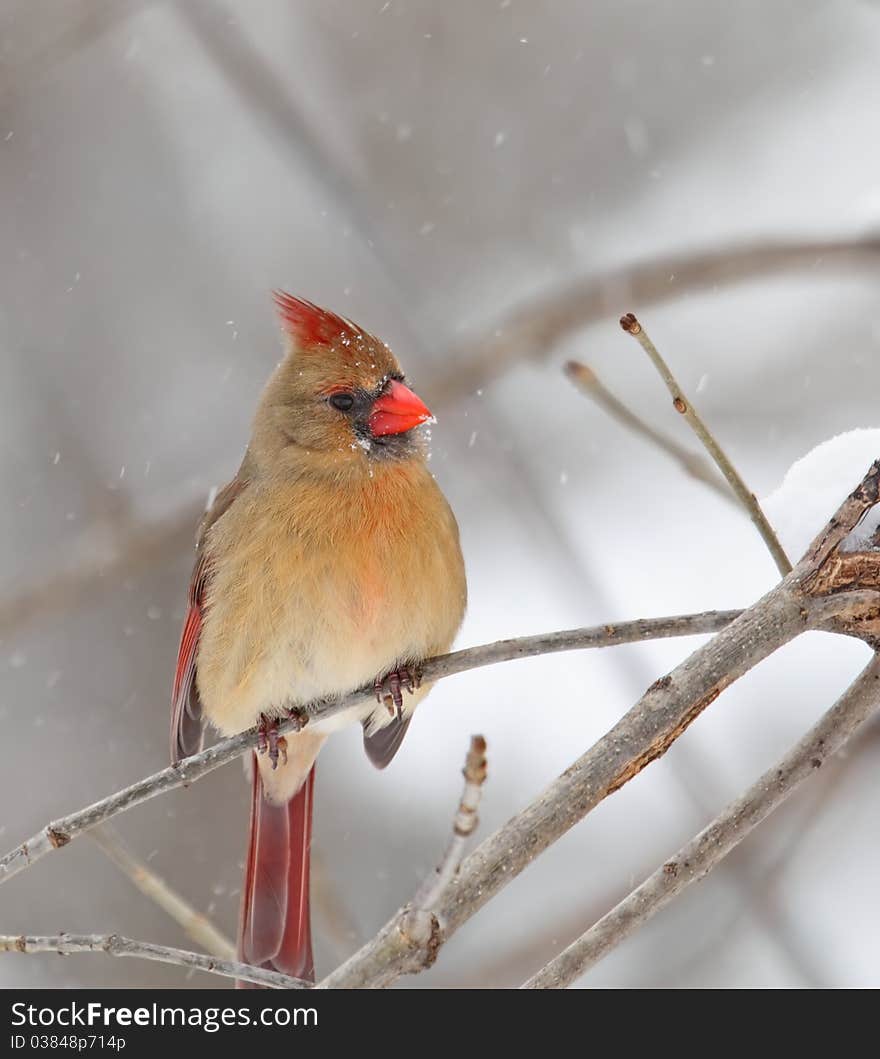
(312, 597)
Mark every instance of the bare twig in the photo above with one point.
(196, 925)
(60, 832)
(115, 945)
(463, 826)
(682, 405)
(692, 463)
(417, 928)
(534, 330)
(704, 852)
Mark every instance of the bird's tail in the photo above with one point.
(275, 927)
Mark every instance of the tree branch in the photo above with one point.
(61, 831)
(704, 852)
(195, 925)
(645, 732)
(684, 407)
(115, 945)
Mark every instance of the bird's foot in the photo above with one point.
(270, 741)
(299, 716)
(389, 689)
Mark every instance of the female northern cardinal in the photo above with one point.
(331, 560)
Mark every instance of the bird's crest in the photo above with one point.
(309, 325)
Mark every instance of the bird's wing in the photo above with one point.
(186, 707)
(382, 745)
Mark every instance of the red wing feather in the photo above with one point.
(186, 709)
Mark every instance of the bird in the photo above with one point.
(331, 561)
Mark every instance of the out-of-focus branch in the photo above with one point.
(116, 945)
(195, 925)
(72, 28)
(704, 852)
(131, 550)
(692, 463)
(60, 832)
(224, 40)
(417, 928)
(684, 407)
(533, 331)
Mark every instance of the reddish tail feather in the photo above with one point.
(275, 927)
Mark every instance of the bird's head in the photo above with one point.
(338, 396)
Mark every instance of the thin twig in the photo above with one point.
(692, 463)
(116, 945)
(682, 405)
(60, 832)
(418, 927)
(463, 826)
(704, 852)
(196, 925)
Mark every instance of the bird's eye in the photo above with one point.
(342, 402)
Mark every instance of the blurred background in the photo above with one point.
(487, 186)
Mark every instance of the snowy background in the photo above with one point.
(427, 170)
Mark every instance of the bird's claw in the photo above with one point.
(270, 741)
(389, 688)
(299, 716)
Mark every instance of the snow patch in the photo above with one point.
(814, 487)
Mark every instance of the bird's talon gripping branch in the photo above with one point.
(270, 741)
(389, 688)
(299, 716)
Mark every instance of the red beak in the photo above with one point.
(397, 410)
